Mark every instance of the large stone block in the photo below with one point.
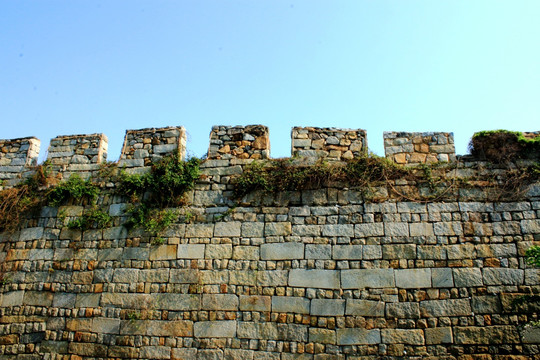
(190, 251)
(277, 229)
(214, 329)
(290, 304)
(439, 335)
(220, 302)
(322, 336)
(255, 303)
(282, 251)
(413, 278)
(503, 276)
(358, 336)
(468, 277)
(369, 230)
(442, 278)
(403, 310)
(367, 278)
(227, 229)
(319, 251)
(449, 307)
(327, 307)
(493, 335)
(272, 278)
(347, 252)
(360, 307)
(403, 336)
(218, 251)
(346, 230)
(323, 279)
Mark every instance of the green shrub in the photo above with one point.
(91, 219)
(503, 145)
(74, 188)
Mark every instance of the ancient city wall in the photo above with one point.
(335, 272)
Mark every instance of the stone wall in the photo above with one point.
(243, 142)
(15, 156)
(419, 148)
(328, 143)
(314, 274)
(80, 154)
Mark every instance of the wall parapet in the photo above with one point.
(328, 143)
(16, 155)
(419, 147)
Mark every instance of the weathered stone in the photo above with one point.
(468, 277)
(358, 336)
(272, 278)
(369, 229)
(190, 251)
(163, 252)
(486, 335)
(364, 307)
(488, 304)
(227, 229)
(338, 230)
(155, 352)
(421, 229)
(449, 307)
(214, 329)
(277, 229)
(324, 279)
(503, 276)
(218, 251)
(220, 302)
(322, 336)
(371, 252)
(238, 354)
(290, 304)
(314, 251)
(530, 226)
(399, 251)
(402, 336)
(442, 278)
(252, 229)
(252, 330)
(367, 278)
(327, 307)
(439, 335)
(403, 310)
(199, 230)
(255, 303)
(306, 230)
(347, 252)
(282, 251)
(413, 278)
(176, 302)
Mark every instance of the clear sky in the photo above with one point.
(75, 67)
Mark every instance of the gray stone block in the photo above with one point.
(227, 229)
(318, 252)
(252, 229)
(290, 304)
(214, 329)
(282, 251)
(272, 278)
(347, 252)
(403, 336)
(399, 251)
(442, 278)
(421, 229)
(503, 276)
(322, 336)
(449, 307)
(439, 335)
(218, 251)
(338, 230)
(369, 308)
(413, 278)
(403, 310)
(468, 277)
(358, 336)
(488, 304)
(255, 303)
(327, 307)
(227, 302)
(306, 230)
(367, 278)
(277, 229)
(369, 230)
(320, 279)
(396, 229)
(190, 251)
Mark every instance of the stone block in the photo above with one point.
(319, 251)
(322, 336)
(530, 226)
(255, 303)
(246, 252)
(106, 325)
(448, 307)
(488, 304)
(227, 302)
(238, 354)
(468, 277)
(371, 252)
(493, 335)
(282, 251)
(327, 307)
(439, 335)
(413, 278)
(155, 352)
(176, 302)
(370, 308)
(399, 251)
(184, 276)
(243, 277)
(531, 335)
(227, 229)
(367, 278)
(396, 229)
(38, 298)
(272, 278)
(154, 276)
(320, 279)
(290, 304)
(346, 230)
(12, 298)
(124, 275)
(86, 300)
(253, 330)
(190, 251)
(199, 230)
(403, 310)
(33, 233)
(64, 300)
(358, 336)
(214, 329)
(403, 336)
(369, 230)
(292, 332)
(503, 276)
(218, 251)
(459, 252)
(442, 278)
(252, 229)
(163, 252)
(451, 228)
(347, 252)
(421, 229)
(306, 230)
(277, 229)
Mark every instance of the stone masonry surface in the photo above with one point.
(314, 274)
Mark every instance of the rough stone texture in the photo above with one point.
(243, 142)
(15, 156)
(328, 143)
(318, 274)
(419, 148)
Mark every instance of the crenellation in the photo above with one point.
(419, 148)
(145, 146)
(242, 142)
(328, 143)
(79, 154)
(17, 156)
(324, 273)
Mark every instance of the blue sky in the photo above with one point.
(75, 67)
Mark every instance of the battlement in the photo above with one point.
(83, 154)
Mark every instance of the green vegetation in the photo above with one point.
(91, 219)
(502, 146)
(285, 175)
(533, 256)
(152, 220)
(74, 188)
